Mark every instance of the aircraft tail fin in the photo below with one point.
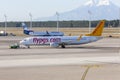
(25, 27)
(98, 30)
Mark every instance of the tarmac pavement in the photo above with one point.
(46, 63)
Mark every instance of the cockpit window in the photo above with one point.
(25, 40)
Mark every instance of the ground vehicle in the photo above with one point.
(15, 46)
(3, 33)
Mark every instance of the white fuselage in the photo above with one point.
(67, 40)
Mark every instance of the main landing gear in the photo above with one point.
(62, 45)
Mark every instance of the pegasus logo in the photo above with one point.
(45, 40)
(40, 40)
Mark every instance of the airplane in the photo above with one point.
(36, 33)
(56, 41)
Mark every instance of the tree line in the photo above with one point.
(62, 24)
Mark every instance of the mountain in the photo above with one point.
(93, 9)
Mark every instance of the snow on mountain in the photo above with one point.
(90, 3)
(103, 2)
(94, 9)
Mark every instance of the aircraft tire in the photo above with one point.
(28, 46)
(63, 45)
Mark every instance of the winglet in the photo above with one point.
(79, 37)
(98, 30)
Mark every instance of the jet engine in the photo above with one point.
(54, 45)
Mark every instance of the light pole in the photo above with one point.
(119, 29)
(119, 19)
(5, 22)
(89, 12)
(57, 14)
(30, 20)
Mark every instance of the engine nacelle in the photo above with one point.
(54, 45)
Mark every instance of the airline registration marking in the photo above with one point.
(45, 40)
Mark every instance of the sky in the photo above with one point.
(19, 10)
